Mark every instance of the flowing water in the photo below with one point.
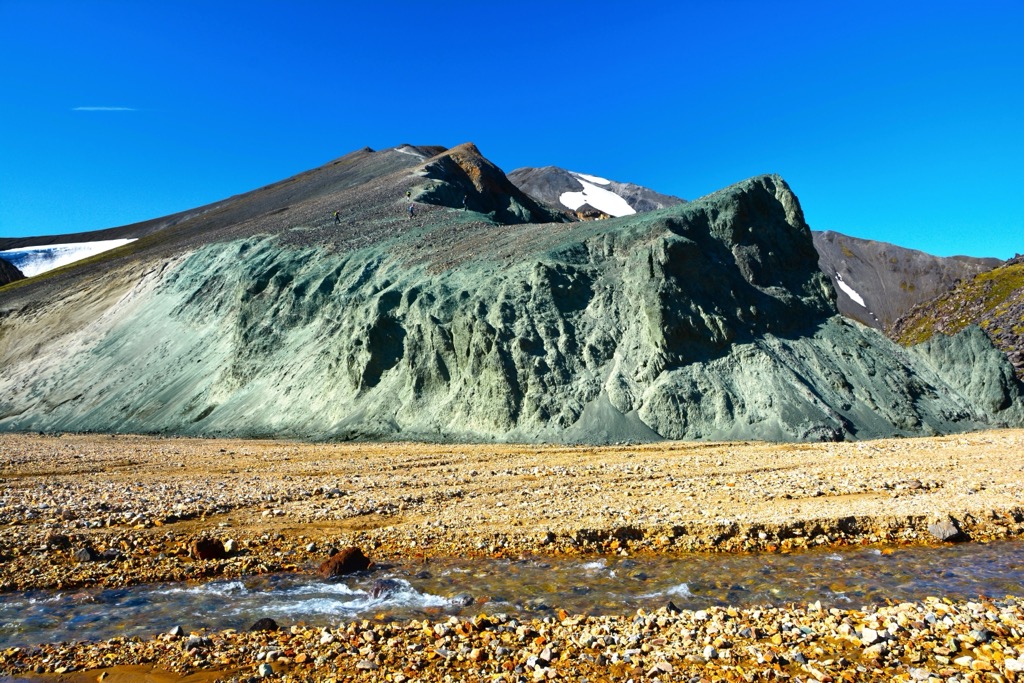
(532, 587)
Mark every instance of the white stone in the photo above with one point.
(869, 636)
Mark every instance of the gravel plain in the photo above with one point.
(115, 510)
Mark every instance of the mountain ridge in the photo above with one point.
(550, 185)
(704, 320)
(877, 282)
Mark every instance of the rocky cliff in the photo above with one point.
(875, 282)
(9, 273)
(707, 320)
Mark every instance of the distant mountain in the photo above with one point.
(322, 307)
(586, 195)
(876, 282)
(992, 300)
(32, 261)
(9, 272)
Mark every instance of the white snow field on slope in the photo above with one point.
(33, 261)
(592, 178)
(850, 291)
(599, 198)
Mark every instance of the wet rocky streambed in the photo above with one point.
(848, 578)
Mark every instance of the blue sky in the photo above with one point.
(895, 121)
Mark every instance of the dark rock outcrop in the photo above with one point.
(461, 177)
(9, 273)
(56, 541)
(346, 561)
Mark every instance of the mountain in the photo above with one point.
(478, 317)
(586, 195)
(992, 300)
(9, 272)
(32, 261)
(876, 282)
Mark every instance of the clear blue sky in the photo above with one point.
(896, 121)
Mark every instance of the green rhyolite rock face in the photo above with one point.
(708, 320)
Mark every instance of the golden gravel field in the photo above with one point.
(280, 505)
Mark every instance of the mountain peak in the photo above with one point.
(462, 176)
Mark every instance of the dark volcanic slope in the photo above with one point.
(336, 176)
(547, 184)
(9, 273)
(876, 282)
(367, 188)
(707, 320)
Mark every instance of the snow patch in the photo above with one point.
(592, 178)
(601, 199)
(36, 260)
(406, 150)
(850, 291)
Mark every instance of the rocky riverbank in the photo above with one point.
(930, 640)
(81, 510)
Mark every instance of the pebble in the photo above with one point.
(869, 636)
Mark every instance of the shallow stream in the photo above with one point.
(533, 587)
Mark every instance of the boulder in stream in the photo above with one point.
(346, 561)
(382, 588)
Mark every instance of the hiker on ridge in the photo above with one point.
(337, 218)
(412, 210)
